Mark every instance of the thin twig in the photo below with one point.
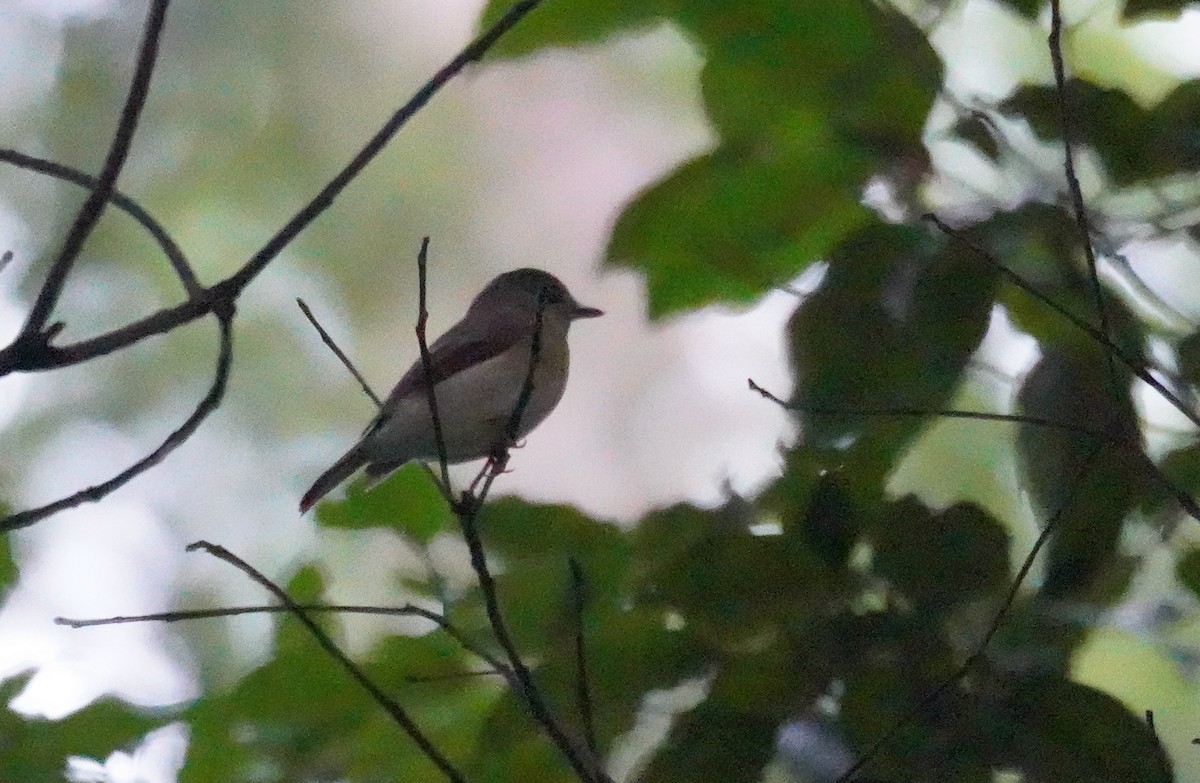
(179, 262)
(922, 706)
(1077, 203)
(93, 207)
(389, 705)
(585, 765)
(427, 367)
(1135, 366)
(173, 441)
(583, 691)
(345, 360)
(905, 412)
(41, 356)
(408, 610)
(1186, 501)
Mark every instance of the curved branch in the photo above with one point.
(173, 441)
(29, 355)
(93, 207)
(118, 199)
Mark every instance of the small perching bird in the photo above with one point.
(480, 368)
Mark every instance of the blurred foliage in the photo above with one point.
(820, 598)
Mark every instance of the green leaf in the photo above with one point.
(1188, 351)
(891, 327)
(1134, 143)
(570, 24)
(35, 750)
(805, 116)
(731, 224)
(718, 741)
(1027, 8)
(1187, 570)
(1136, 10)
(1063, 731)
(1086, 484)
(8, 565)
(939, 561)
(408, 501)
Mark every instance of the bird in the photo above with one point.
(479, 369)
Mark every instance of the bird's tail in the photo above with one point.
(339, 472)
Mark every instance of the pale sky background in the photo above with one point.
(653, 414)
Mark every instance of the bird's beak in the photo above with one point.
(585, 312)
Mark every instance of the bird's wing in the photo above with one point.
(465, 345)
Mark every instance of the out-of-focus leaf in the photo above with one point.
(532, 546)
(891, 327)
(35, 750)
(8, 566)
(732, 584)
(941, 560)
(805, 116)
(1134, 143)
(563, 24)
(975, 130)
(1085, 484)
(1138, 9)
(1063, 731)
(1188, 352)
(1027, 8)
(721, 742)
(1187, 571)
(731, 224)
(891, 664)
(1181, 468)
(407, 501)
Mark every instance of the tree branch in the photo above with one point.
(40, 355)
(173, 441)
(174, 254)
(93, 207)
(389, 705)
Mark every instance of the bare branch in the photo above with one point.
(585, 765)
(174, 254)
(173, 441)
(408, 610)
(1139, 369)
(905, 412)
(583, 691)
(389, 705)
(30, 356)
(1077, 204)
(93, 207)
(345, 360)
(427, 366)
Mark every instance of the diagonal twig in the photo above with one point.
(93, 206)
(43, 356)
(1137, 367)
(345, 360)
(389, 704)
